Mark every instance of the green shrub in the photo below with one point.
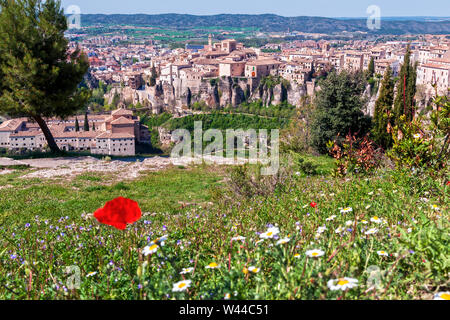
(422, 145)
(307, 167)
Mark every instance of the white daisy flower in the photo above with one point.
(283, 241)
(371, 231)
(227, 296)
(253, 269)
(416, 136)
(187, 270)
(364, 222)
(297, 256)
(349, 223)
(181, 286)
(331, 218)
(150, 249)
(342, 284)
(382, 253)
(270, 233)
(442, 296)
(238, 238)
(376, 220)
(91, 274)
(435, 207)
(315, 253)
(346, 210)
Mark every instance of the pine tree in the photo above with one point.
(77, 125)
(383, 112)
(86, 122)
(39, 75)
(406, 89)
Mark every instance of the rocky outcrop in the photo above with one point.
(371, 100)
(215, 93)
(90, 81)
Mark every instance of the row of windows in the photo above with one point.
(23, 139)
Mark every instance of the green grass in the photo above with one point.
(156, 192)
(413, 233)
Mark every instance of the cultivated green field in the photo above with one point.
(389, 231)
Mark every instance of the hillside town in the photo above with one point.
(128, 68)
(218, 74)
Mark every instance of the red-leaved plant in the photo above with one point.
(355, 155)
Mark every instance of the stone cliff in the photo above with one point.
(215, 93)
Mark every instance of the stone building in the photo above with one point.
(260, 68)
(115, 134)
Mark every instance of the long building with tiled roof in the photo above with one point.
(115, 134)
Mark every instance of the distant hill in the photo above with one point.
(272, 22)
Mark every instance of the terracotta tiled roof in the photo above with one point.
(11, 125)
(122, 112)
(31, 133)
(436, 66)
(122, 120)
(262, 62)
(107, 135)
(205, 61)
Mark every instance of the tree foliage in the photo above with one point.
(338, 109)
(86, 122)
(39, 76)
(406, 89)
(77, 125)
(383, 112)
(371, 70)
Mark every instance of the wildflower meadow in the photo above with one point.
(320, 237)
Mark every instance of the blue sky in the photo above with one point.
(324, 8)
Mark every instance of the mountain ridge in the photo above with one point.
(273, 22)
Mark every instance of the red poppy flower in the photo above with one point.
(313, 205)
(118, 213)
(448, 183)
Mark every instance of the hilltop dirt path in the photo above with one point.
(49, 168)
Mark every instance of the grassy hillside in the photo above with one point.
(391, 223)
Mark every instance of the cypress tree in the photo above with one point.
(371, 70)
(93, 126)
(77, 125)
(86, 122)
(406, 89)
(383, 112)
